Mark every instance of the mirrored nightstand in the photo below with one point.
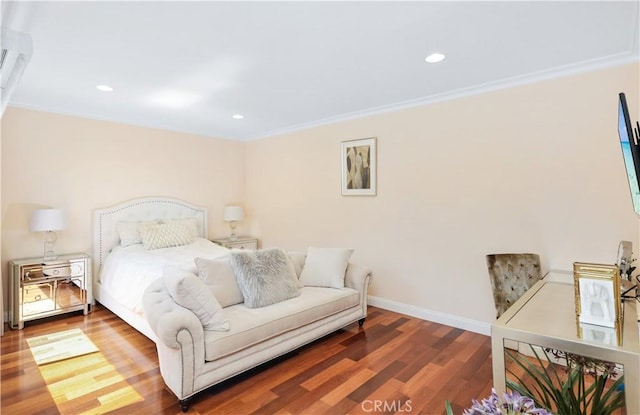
(242, 242)
(40, 288)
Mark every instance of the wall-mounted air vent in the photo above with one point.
(16, 50)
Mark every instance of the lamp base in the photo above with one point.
(50, 256)
(50, 246)
(233, 236)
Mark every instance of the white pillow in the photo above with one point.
(190, 223)
(164, 235)
(297, 259)
(129, 232)
(219, 277)
(325, 267)
(190, 292)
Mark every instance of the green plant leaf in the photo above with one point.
(573, 394)
(447, 406)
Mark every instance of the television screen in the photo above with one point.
(630, 150)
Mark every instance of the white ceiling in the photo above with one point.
(190, 66)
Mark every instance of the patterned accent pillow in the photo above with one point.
(190, 223)
(165, 235)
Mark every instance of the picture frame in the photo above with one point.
(359, 164)
(597, 294)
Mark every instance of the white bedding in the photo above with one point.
(128, 270)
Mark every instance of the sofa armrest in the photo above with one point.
(167, 318)
(180, 338)
(359, 278)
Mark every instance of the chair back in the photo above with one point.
(511, 276)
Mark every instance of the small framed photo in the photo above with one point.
(359, 167)
(597, 292)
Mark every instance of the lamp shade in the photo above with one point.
(47, 220)
(233, 213)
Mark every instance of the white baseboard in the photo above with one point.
(475, 326)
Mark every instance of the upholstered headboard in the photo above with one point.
(105, 221)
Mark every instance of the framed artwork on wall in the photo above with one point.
(359, 167)
(597, 291)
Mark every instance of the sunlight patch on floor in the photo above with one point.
(87, 384)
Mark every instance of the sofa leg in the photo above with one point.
(184, 404)
(361, 322)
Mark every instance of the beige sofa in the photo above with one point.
(193, 359)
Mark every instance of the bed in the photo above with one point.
(123, 271)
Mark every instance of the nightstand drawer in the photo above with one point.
(243, 245)
(56, 271)
(242, 242)
(43, 271)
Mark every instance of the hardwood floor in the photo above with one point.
(395, 364)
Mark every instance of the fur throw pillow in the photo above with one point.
(265, 277)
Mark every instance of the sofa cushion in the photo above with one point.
(190, 292)
(219, 277)
(265, 277)
(251, 326)
(325, 267)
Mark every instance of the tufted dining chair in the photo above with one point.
(511, 276)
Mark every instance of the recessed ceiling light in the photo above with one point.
(434, 57)
(174, 98)
(104, 88)
(238, 116)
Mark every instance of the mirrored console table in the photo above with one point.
(545, 316)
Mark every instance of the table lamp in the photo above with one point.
(49, 221)
(233, 214)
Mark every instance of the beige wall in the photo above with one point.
(534, 168)
(77, 165)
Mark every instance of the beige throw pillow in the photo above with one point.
(218, 275)
(297, 259)
(325, 267)
(190, 292)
